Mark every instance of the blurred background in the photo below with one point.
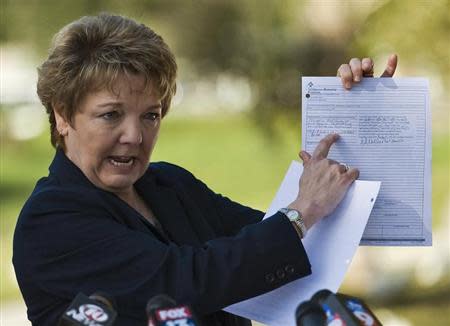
(235, 122)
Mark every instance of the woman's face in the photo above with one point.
(113, 134)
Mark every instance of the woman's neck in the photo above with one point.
(130, 196)
(133, 199)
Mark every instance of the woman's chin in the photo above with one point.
(119, 178)
(118, 183)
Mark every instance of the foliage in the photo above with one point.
(269, 42)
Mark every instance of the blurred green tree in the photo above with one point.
(269, 42)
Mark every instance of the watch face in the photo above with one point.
(292, 214)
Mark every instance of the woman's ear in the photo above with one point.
(61, 124)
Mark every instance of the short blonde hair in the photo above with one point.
(90, 54)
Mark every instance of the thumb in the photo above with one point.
(391, 66)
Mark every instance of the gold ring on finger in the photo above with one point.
(345, 165)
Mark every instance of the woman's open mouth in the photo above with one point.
(121, 161)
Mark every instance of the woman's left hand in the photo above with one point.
(356, 69)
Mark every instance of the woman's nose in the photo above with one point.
(131, 133)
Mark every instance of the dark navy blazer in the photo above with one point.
(73, 237)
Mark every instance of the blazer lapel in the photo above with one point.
(127, 215)
(169, 210)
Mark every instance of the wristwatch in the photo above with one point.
(295, 217)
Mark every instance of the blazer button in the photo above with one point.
(280, 274)
(270, 278)
(289, 268)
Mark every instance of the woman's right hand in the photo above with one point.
(323, 183)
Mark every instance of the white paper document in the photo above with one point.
(385, 129)
(330, 245)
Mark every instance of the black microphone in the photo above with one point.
(335, 310)
(360, 310)
(95, 310)
(344, 309)
(310, 313)
(162, 310)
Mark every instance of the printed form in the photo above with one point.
(385, 129)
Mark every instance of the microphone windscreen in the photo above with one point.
(310, 313)
(321, 295)
(105, 298)
(85, 310)
(159, 301)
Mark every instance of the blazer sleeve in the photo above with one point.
(68, 250)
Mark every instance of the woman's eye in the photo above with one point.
(152, 116)
(112, 115)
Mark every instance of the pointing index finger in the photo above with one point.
(324, 146)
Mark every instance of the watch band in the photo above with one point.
(296, 217)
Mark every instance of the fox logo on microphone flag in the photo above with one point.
(173, 313)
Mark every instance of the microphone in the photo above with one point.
(335, 309)
(360, 310)
(310, 313)
(162, 310)
(95, 310)
(345, 310)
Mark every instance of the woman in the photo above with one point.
(104, 219)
